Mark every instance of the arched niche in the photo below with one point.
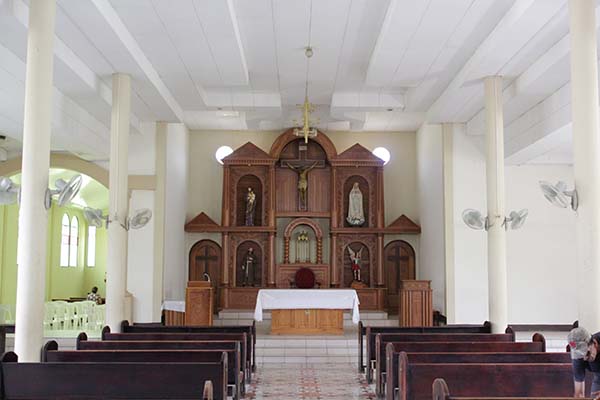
(205, 257)
(288, 136)
(256, 275)
(365, 267)
(288, 233)
(363, 185)
(399, 262)
(245, 182)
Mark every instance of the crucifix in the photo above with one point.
(397, 258)
(205, 260)
(302, 165)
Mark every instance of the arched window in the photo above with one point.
(91, 246)
(64, 241)
(74, 242)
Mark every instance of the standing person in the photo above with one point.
(584, 350)
(94, 296)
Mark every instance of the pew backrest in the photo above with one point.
(392, 358)
(100, 380)
(496, 380)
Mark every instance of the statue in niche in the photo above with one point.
(302, 247)
(250, 207)
(355, 263)
(302, 182)
(248, 268)
(356, 215)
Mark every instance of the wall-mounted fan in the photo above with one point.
(515, 219)
(137, 220)
(65, 191)
(475, 220)
(9, 191)
(559, 195)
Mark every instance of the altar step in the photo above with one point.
(245, 317)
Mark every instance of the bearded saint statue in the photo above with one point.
(356, 215)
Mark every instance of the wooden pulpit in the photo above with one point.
(415, 305)
(199, 299)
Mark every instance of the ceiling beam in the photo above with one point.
(111, 17)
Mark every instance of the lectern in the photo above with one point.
(415, 303)
(199, 298)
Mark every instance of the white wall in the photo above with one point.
(470, 247)
(541, 255)
(176, 198)
(140, 261)
(431, 210)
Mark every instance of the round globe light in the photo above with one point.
(382, 153)
(223, 152)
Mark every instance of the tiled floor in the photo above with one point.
(309, 381)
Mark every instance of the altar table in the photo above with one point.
(307, 311)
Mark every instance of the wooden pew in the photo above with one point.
(177, 336)
(50, 353)
(157, 327)
(520, 380)
(441, 392)
(392, 357)
(373, 351)
(83, 343)
(381, 339)
(101, 380)
(365, 331)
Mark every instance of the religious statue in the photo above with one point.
(355, 263)
(356, 216)
(248, 267)
(302, 182)
(302, 247)
(250, 207)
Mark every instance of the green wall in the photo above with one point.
(61, 282)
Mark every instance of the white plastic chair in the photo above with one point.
(49, 313)
(99, 316)
(60, 315)
(6, 314)
(84, 311)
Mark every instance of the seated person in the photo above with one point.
(584, 350)
(94, 296)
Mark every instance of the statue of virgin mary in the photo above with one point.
(356, 216)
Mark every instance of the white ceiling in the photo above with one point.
(378, 65)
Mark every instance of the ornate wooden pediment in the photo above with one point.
(202, 223)
(403, 224)
(357, 155)
(248, 154)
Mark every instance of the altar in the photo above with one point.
(303, 208)
(307, 311)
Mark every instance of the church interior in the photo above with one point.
(299, 199)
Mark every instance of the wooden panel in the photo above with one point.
(319, 199)
(199, 305)
(307, 322)
(372, 299)
(399, 259)
(286, 189)
(174, 318)
(286, 272)
(239, 298)
(415, 303)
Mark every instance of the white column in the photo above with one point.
(586, 151)
(33, 217)
(116, 263)
(494, 166)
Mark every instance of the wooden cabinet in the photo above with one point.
(307, 322)
(199, 299)
(415, 303)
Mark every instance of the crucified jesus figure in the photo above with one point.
(302, 181)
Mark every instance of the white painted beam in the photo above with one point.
(114, 21)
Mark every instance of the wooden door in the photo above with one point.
(205, 257)
(399, 266)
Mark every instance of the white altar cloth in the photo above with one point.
(173, 305)
(284, 299)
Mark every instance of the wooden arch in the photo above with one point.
(287, 235)
(288, 136)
